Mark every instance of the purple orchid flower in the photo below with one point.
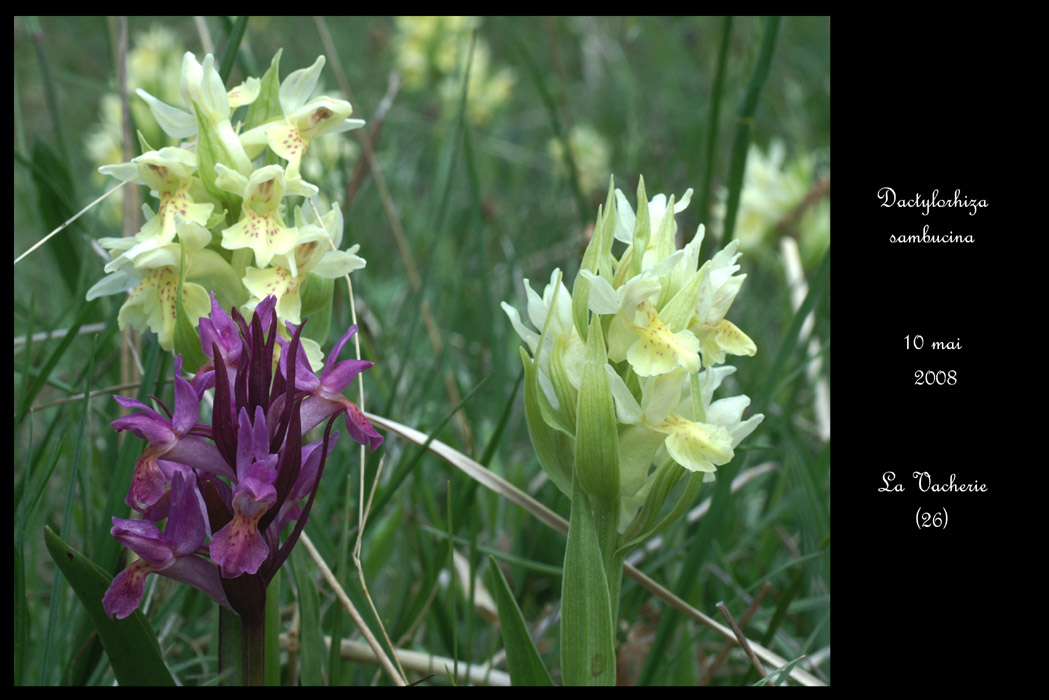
(229, 489)
(239, 547)
(324, 393)
(173, 552)
(178, 439)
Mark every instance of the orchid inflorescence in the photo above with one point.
(222, 222)
(620, 382)
(227, 490)
(619, 398)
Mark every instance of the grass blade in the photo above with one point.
(790, 338)
(404, 469)
(745, 121)
(229, 55)
(45, 372)
(49, 85)
(713, 114)
(526, 666)
(56, 194)
(555, 119)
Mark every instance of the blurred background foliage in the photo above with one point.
(454, 197)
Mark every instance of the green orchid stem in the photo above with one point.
(242, 649)
(253, 650)
(229, 647)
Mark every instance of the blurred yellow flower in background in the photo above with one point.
(430, 55)
(780, 196)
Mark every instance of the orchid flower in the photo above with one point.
(227, 490)
(324, 394)
(169, 175)
(717, 291)
(153, 273)
(172, 552)
(180, 438)
(650, 373)
(315, 253)
(302, 121)
(261, 226)
(556, 344)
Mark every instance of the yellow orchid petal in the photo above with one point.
(279, 282)
(245, 93)
(698, 447)
(152, 304)
(721, 338)
(732, 340)
(659, 351)
(287, 142)
(263, 234)
(179, 202)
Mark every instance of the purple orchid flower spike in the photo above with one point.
(220, 335)
(219, 330)
(229, 490)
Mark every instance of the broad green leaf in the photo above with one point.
(588, 655)
(130, 643)
(526, 666)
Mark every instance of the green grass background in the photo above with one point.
(481, 207)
